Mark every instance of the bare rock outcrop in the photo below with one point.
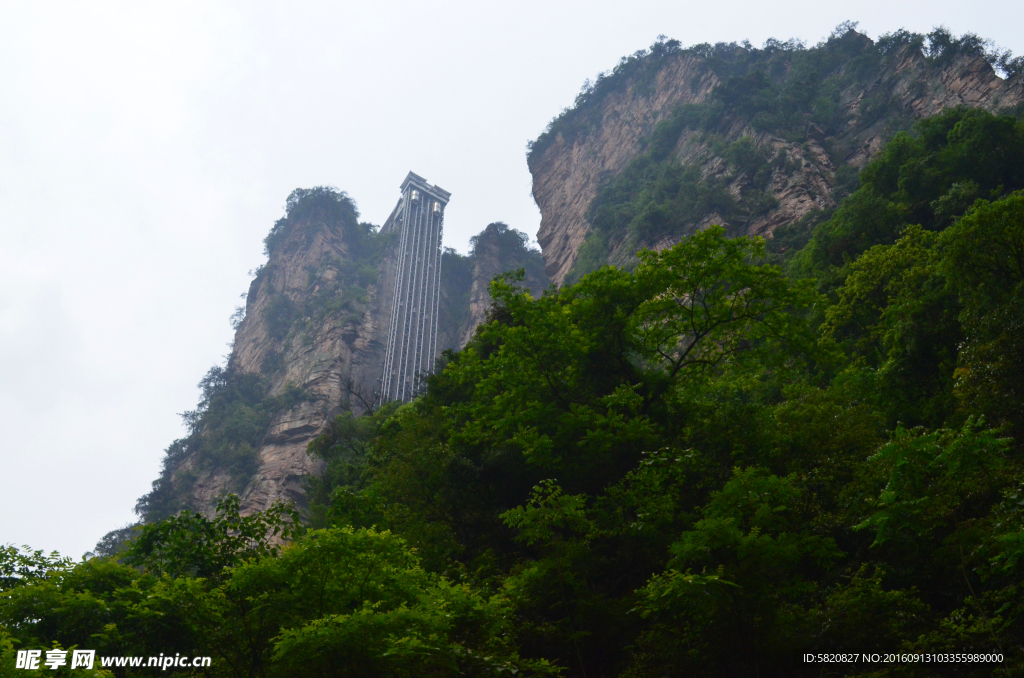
(570, 166)
(309, 347)
(566, 175)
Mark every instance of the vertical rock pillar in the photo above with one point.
(412, 334)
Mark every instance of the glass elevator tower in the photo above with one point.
(412, 334)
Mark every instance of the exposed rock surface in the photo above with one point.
(313, 336)
(567, 174)
(333, 358)
(569, 169)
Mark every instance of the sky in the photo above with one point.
(147, 148)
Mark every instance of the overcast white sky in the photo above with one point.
(146, 148)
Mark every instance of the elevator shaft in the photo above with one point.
(417, 220)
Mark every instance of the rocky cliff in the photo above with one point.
(309, 346)
(769, 135)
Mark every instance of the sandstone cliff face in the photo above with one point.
(567, 174)
(328, 353)
(312, 345)
(570, 168)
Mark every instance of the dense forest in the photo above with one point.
(732, 453)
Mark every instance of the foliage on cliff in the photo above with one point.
(225, 432)
(495, 250)
(928, 178)
(236, 408)
(725, 160)
(780, 86)
(501, 249)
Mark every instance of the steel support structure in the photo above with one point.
(412, 335)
